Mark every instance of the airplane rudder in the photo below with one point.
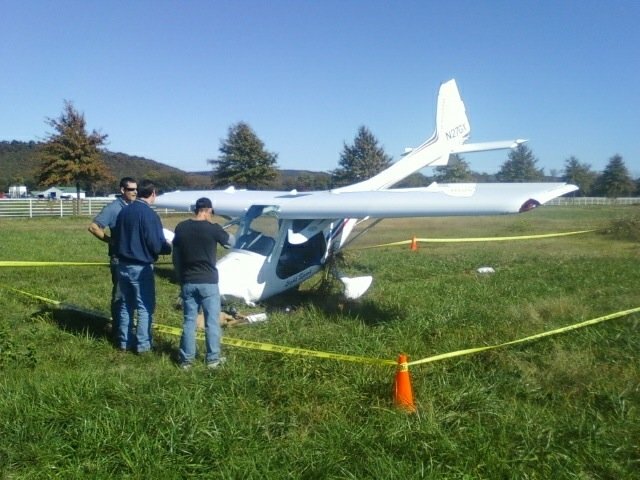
(452, 122)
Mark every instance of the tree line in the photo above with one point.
(71, 155)
(245, 162)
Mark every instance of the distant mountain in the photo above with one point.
(19, 165)
(121, 164)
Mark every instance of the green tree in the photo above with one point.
(243, 162)
(615, 180)
(579, 174)
(362, 160)
(520, 166)
(71, 155)
(456, 171)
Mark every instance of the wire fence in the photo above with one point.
(38, 207)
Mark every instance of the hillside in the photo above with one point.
(19, 165)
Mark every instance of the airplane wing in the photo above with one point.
(469, 199)
(231, 202)
(374, 197)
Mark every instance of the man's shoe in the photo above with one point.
(216, 363)
(186, 366)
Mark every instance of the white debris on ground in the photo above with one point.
(486, 270)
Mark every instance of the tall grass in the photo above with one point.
(561, 407)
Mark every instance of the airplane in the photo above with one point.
(285, 237)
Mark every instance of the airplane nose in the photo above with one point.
(238, 273)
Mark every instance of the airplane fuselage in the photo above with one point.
(272, 255)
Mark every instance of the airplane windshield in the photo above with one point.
(296, 257)
(258, 230)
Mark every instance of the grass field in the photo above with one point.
(561, 407)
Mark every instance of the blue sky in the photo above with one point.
(166, 79)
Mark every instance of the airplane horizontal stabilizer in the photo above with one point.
(486, 146)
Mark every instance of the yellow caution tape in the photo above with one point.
(12, 263)
(351, 358)
(19, 263)
(266, 347)
(478, 239)
(36, 297)
(527, 339)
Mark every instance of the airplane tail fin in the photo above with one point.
(452, 124)
(452, 131)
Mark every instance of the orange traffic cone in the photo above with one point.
(403, 395)
(414, 244)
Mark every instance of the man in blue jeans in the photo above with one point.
(194, 260)
(139, 240)
(98, 228)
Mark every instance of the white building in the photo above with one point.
(17, 191)
(60, 192)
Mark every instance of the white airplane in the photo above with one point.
(285, 237)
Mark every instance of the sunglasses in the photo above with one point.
(131, 189)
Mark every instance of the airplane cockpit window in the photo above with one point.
(298, 257)
(257, 230)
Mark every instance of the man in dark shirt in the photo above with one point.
(139, 240)
(194, 259)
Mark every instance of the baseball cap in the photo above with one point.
(203, 202)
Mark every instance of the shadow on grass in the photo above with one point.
(331, 304)
(97, 325)
(80, 320)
